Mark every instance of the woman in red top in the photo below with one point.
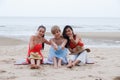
(36, 43)
(76, 47)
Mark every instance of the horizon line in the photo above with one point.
(50, 17)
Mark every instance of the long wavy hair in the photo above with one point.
(66, 36)
(41, 26)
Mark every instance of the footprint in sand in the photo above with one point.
(98, 79)
(97, 56)
(3, 71)
(8, 78)
(102, 58)
(95, 76)
(6, 61)
(11, 77)
(100, 72)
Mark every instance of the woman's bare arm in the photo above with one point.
(54, 44)
(64, 43)
(32, 42)
(46, 41)
(75, 41)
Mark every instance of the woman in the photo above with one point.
(36, 44)
(76, 47)
(57, 52)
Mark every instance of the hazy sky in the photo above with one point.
(60, 8)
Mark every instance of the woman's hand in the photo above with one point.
(62, 46)
(71, 50)
(71, 38)
(55, 47)
(76, 50)
(79, 48)
(32, 42)
(63, 43)
(54, 44)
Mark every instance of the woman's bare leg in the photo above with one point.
(37, 64)
(70, 64)
(32, 61)
(55, 62)
(76, 62)
(59, 62)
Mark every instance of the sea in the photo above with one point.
(23, 27)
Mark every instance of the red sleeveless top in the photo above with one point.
(36, 48)
(73, 45)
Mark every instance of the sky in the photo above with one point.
(59, 8)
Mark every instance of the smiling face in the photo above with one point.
(40, 32)
(55, 30)
(57, 34)
(68, 32)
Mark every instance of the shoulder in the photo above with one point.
(32, 37)
(63, 39)
(44, 39)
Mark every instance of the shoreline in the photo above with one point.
(89, 38)
(100, 35)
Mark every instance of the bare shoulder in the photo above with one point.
(63, 39)
(44, 39)
(32, 37)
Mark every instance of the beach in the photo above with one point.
(106, 59)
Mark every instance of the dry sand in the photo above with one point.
(106, 67)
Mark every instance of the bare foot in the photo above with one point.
(55, 66)
(37, 67)
(69, 66)
(32, 66)
(59, 66)
(73, 64)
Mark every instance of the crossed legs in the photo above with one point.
(73, 63)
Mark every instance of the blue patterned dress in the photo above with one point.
(60, 54)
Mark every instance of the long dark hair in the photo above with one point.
(41, 26)
(65, 36)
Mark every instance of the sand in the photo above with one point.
(106, 67)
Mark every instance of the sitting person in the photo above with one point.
(78, 54)
(58, 52)
(36, 44)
